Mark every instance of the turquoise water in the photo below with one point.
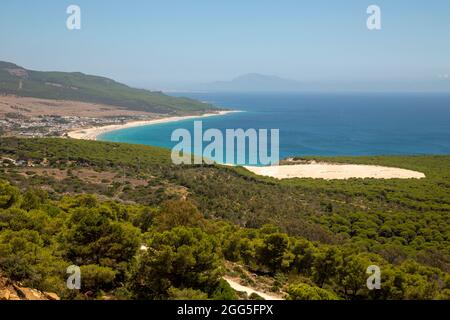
(323, 124)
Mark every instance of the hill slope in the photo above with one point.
(94, 204)
(87, 88)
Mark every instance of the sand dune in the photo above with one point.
(330, 171)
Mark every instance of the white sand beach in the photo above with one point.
(94, 132)
(329, 171)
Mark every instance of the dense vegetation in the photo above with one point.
(86, 88)
(314, 238)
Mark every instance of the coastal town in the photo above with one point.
(36, 118)
(29, 117)
(56, 126)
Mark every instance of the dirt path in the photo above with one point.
(238, 287)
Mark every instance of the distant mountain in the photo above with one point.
(254, 82)
(87, 88)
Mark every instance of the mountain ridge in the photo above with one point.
(77, 86)
(254, 82)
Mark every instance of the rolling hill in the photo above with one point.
(96, 204)
(15, 80)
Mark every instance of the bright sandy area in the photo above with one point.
(93, 133)
(330, 171)
(238, 287)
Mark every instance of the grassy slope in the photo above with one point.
(87, 88)
(406, 216)
(431, 193)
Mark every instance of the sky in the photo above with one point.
(172, 43)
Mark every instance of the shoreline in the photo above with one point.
(94, 132)
(326, 171)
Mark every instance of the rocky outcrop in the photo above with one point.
(9, 290)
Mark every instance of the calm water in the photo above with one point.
(324, 124)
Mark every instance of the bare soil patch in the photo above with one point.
(33, 107)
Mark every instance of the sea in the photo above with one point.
(317, 124)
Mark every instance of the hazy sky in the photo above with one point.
(166, 43)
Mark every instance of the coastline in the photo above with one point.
(327, 171)
(94, 132)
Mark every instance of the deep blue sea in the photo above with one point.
(323, 124)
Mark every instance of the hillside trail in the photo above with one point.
(238, 287)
